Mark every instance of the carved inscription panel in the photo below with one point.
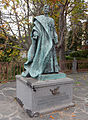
(49, 100)
(52, 96)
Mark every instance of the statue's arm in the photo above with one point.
(35, 33)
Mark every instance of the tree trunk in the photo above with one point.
(29, 39)
(61, 38)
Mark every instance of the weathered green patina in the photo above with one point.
(51, 76)
(42, 55)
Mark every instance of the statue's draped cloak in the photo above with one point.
(42, 55)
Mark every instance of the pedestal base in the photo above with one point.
(39, 97)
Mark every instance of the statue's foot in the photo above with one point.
(25, 74)
(51, 73)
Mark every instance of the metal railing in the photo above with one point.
(8, 71)
(66, 66)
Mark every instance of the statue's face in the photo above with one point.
(46, 9)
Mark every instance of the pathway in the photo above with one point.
(11, 110)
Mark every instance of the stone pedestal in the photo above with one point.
(38, 97)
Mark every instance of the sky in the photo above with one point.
(8, 19)
(14, 26)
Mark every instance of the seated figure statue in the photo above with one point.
(42, 55)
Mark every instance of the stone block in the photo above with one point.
(39, 97)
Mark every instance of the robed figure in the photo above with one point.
(42, 55)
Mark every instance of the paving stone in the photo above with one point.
(2, 98)
(81, 116)
(9, 84)
(6, 110)
(69, 110)
(10, 93)
(4, 119)
(80, 106)
(51, 116)
(86, 107)
(9, 106)
(15, 118)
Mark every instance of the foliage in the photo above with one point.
(81, 54)
(69, 58)
(76, 33)
(20, 11)
(7, 53)
(75, 39)
(86, 30)
(15, 21)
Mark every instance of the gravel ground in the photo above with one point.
(11, 110)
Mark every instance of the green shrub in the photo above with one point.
(75, 54)
(81, 54)
(81, 58)
(69, 58)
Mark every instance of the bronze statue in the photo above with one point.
(42, 55)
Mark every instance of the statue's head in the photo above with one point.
(46, 9)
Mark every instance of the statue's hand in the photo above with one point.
(35, 35)
(56, 44)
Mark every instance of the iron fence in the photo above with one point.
(82, 65)
(8, 71)
(66, 66)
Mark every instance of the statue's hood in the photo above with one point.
(42, 20)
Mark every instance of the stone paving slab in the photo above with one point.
(11, 110)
